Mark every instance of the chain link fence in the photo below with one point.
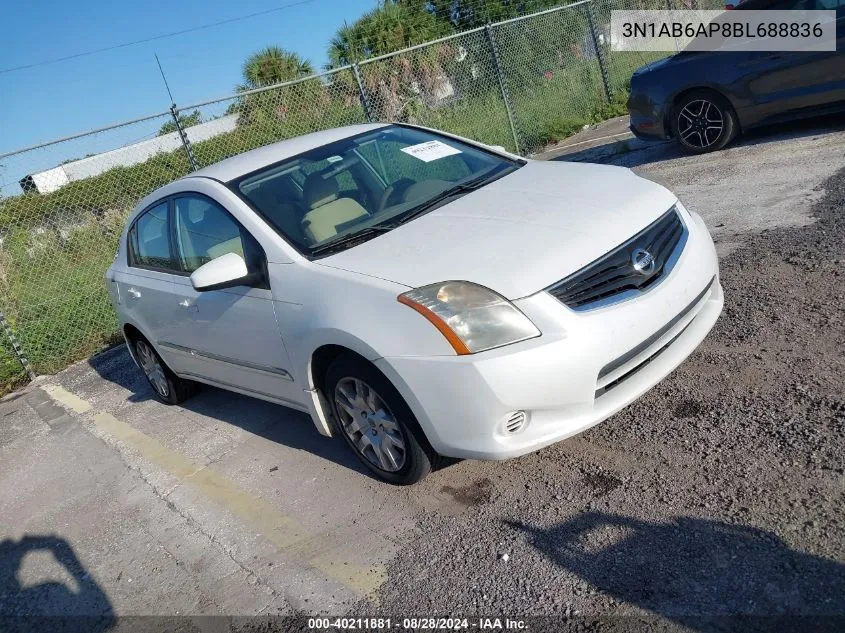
(255, 118)
(520, 83)
(621, 64)
(59, 234)
(452, 84)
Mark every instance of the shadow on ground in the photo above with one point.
(702, 574)
(274, 422)
(633, 152)
(51, 605)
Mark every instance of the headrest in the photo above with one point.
(317, 191)
(196, 212)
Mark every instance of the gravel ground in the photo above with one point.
(719, 493)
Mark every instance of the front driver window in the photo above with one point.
(204, 231)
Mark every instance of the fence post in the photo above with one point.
(503, 84)
(365, 100)
(588, 9)
(174, 112)
(16, 347)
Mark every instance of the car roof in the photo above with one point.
(247, 162)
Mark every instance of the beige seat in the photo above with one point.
(277, 205)
(328, 211)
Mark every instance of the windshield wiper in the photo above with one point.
(348, 241)
(464, 187)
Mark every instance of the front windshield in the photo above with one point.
(374, 180)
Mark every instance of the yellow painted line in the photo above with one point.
(68, 399)
(283, 531)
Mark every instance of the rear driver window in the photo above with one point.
(151, 239)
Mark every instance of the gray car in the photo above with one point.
(704, 99)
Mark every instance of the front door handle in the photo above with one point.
(135, 294)
(190, 307)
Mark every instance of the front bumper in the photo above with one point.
(585, 367)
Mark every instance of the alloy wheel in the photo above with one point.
(369, 424)
(700, 123)
(152, 368)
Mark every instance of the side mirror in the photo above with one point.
(226, 271)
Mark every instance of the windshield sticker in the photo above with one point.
(430, 150)
(334, 159)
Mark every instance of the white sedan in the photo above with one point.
(416, 293)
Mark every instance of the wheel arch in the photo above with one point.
(318, 363)
(132, 333)
(331, 345)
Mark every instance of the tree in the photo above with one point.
(185, 120)
(265, 68)
(389, 27)
(467, 14)
(273, 65)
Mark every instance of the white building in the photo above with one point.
(53, 179)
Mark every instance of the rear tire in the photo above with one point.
(376, 422)
(169, 388)
(703, 121)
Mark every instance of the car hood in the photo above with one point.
(517, 235)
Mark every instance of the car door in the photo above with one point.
(790, 81)
(230, 336)
(146, 286)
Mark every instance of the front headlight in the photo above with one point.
(471, 317)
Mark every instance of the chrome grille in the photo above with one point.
(627, 270)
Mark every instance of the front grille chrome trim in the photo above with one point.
(611, 278)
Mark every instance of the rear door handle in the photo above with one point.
(135, 294)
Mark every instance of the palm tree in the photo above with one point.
(389, 27)
(273, 65)
(267, 67)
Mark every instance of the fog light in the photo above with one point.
(515, 422)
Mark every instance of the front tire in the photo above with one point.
(703, 121)
(169, 388)
(374, 420)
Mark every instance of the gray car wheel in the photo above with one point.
(703, 121)
(375, 422)
(169, 388)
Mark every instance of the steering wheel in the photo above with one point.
(400, 186)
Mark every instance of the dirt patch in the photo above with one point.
(474, 494)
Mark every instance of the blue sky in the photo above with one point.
(54, 100)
